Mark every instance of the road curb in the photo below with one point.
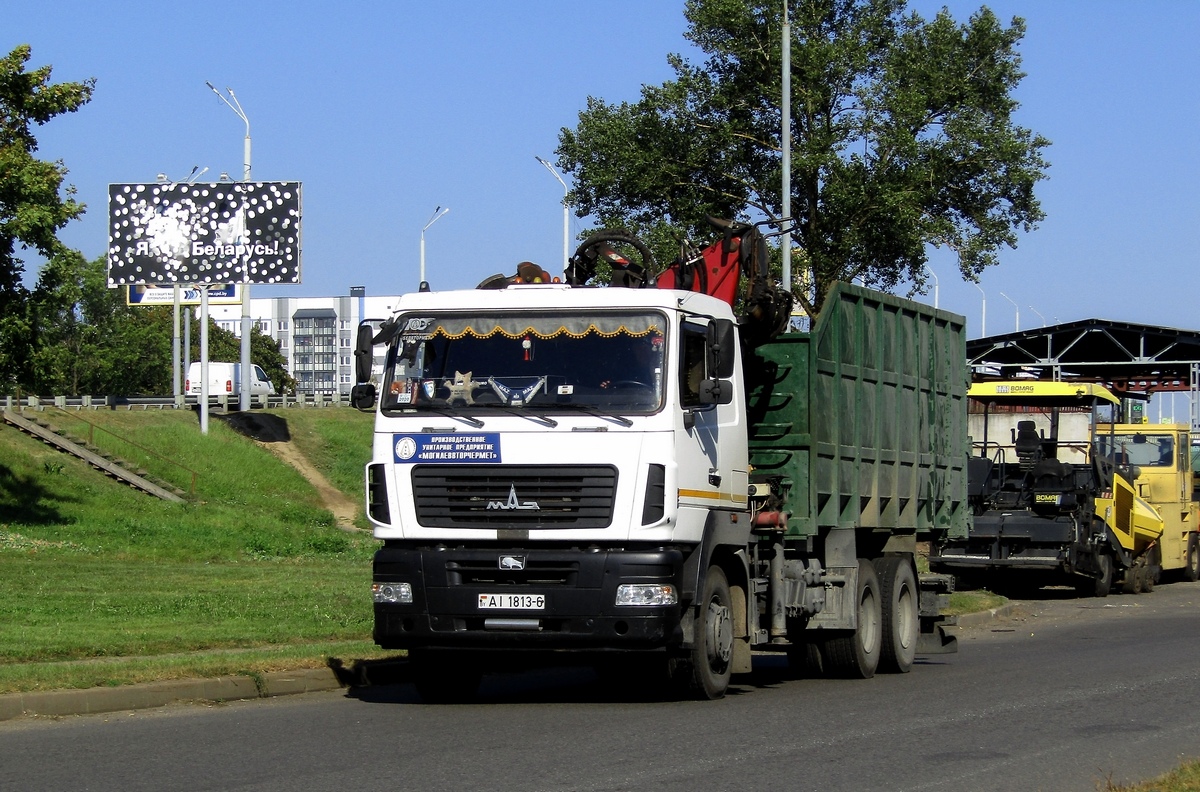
(57, 703)
(90, 701)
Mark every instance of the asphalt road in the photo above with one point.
(1063, 697)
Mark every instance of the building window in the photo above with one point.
(283, 324)
(345, 343)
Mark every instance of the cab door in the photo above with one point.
(711, 441)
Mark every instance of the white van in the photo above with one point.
(224, 380)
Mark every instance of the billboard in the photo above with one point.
(225, 294)
(212, 233)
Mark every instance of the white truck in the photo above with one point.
(224, 379)
(639, 472)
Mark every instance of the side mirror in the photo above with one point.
(363, 396)
(721, 344)
(364, 354)
(716, 391)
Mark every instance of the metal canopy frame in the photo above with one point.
(1130, 359)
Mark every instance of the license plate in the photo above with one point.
(512, 601)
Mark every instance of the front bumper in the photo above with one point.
(579, 587)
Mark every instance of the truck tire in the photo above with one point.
(1191, 568)
(705, 672)
(444, 677)
(898, 605)
(1134, 580)
(1099, 586)
(804, 659)
(856, 655)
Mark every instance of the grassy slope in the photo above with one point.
(93, 569)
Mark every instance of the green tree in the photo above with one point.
(902, 136)
(34, 204)
(85, 339)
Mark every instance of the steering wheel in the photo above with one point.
(629, 385)
(597, 247)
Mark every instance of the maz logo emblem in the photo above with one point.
(512, 503)
(512, 562)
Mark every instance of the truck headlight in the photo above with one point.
(392, 592)
(647, 594)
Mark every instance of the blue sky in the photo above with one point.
(385, 111)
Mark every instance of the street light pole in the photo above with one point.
(244, 389)
(437, 213)
(1039, 313)
(983, 316)
(1017, 307)
(936, 284)
(566, 212)
(785, 145)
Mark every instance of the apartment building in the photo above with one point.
(315, 334)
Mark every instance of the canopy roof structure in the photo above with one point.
(1131, 360)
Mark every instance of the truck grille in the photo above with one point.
(520, 497)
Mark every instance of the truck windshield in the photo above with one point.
(611, 362)
(1143, 450)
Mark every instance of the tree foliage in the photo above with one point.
(85, 338)
(34, 205)
(902, 137)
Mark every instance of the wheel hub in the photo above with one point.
(720, 634)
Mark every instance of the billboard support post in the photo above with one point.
(203, 359)
(187, 344)
(175, 356)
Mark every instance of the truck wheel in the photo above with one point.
(804, 659)
(1191, 569)
(1133, 580)
(898, 606)
(1148, 576)
(1103, 584)
(856, 656)
(1099, 586)
(443, 677)
(705, 672)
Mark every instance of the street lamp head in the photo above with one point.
(437, 214)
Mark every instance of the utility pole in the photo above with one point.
(244, 390)
(566, 212)
(785, 239)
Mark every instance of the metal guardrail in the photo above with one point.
(167, 402)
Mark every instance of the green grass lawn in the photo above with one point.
(92, 570)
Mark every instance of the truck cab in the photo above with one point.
(1157, 459)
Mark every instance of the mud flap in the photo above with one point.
(937, 641)
(935, 596)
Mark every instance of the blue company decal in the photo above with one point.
(477, 448)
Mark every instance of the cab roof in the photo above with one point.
(1041, 393)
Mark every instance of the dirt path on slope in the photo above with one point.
(344, 509)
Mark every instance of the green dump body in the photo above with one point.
(863, 420)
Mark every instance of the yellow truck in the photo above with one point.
(1157, 459)
(1050, 500)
